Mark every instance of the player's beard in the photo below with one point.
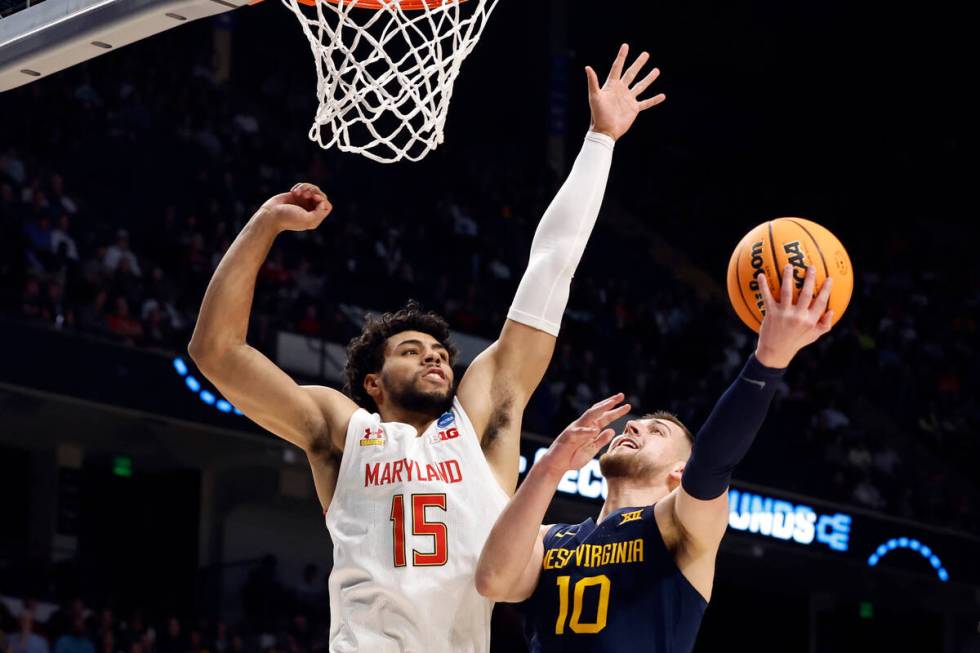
(625, 464)
(410, 397)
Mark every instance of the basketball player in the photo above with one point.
(639, 577)
(411, 471)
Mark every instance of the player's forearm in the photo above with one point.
(730, 430)
(561, 237)
(223, 319)
(511, 543)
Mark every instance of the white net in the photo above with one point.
(385, 70)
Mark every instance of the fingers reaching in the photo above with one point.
(806, 293)
(616, 72)
(611, 416)
(603, 438)
(652, 102)
(767, 298)
(600, 407)
(786, 288)
(644, 83)
(826, 321)
(823, 297)
(593, 80)
(635, 68)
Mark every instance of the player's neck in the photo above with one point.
(418, 421)
(626, 494)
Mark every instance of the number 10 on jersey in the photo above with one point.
(420, 526)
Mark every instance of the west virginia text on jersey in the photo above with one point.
(612, 586)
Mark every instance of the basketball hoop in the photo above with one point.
(386, 69)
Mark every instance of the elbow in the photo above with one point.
(203, 354)
(197, 351)
(488, 584)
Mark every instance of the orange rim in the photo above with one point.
(408, 5)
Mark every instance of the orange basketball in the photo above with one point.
(769, 247)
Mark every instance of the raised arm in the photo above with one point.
(701, 504)
(511, 559)
(499, 382)
(313, 418)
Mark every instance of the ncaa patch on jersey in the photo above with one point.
(445, 420)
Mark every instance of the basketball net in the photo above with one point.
(385, 70)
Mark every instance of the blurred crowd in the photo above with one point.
(276, 618)
(881, 413)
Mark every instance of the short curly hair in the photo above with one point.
(366, 352)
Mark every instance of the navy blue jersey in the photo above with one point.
(612, 587)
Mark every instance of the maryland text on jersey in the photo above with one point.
(407, 470)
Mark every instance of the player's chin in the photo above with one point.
(432, 388)
(613, 455)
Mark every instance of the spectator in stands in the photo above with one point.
(61, 237)
(55, 309)
(172, 640)
(31, 301)
(309, 324)
(76, 641)
(195, 642)
(221, 642)
(120, 250)
(124, 325)
(25, 640)
(107, 643)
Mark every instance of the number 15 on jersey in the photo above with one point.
(420, 526)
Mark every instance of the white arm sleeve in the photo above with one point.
(561, 237)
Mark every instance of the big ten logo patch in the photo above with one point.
(442, 436)
(373, 437)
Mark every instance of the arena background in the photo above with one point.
(133, 497)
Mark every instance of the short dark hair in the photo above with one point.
(671, 417)
(366, 352)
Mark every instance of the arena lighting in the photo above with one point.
(122, 466)
(914, 545)
(783, 520)
(208, 397)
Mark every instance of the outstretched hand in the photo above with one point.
(303, 208)
(583, 438)
(789, 327)
(616, 103)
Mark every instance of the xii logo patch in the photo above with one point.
(630, 516)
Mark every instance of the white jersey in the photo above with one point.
(408, 520)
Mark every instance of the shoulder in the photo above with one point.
(561, 535)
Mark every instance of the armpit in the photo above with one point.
(500, 420)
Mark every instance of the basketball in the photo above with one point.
(769, 247)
